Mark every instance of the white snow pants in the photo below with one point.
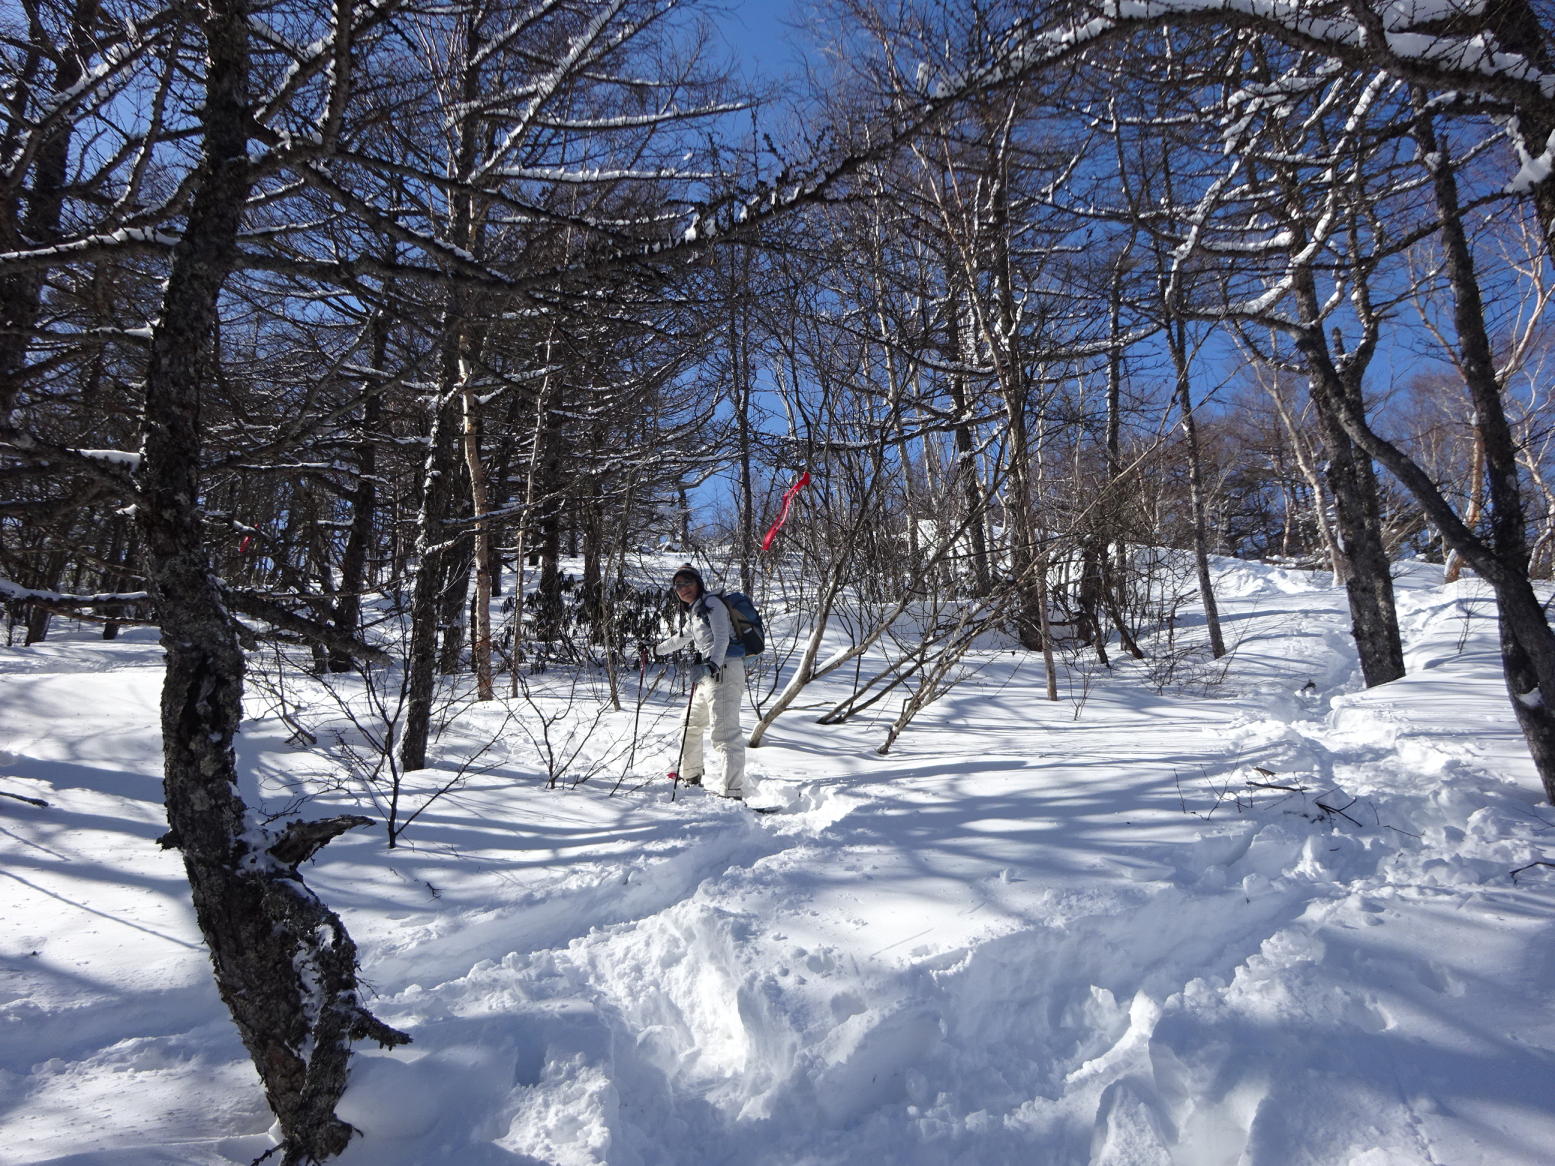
(718, 702)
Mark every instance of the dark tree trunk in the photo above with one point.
(1088, 600)
(502, 485)
(315, 567)
(1369, 580)
(1028, 551)
(1030, 576)
(1527, 642)
(433, 566)
(740, 384)
(1112, 595)
(1527, 645)
(965, 472)
(120, 551)
(452, 609)
(284, 964)
(1353, 483)
(364, 505)
(1516, 26)
(548, 586)
(39, 616)
(1528, 662)
(34, 219)
(439, 578)
(591, 588)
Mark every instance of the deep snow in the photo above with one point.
(1034, 933)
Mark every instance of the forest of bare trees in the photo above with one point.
(320, 319)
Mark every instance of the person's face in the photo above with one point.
(686, 589)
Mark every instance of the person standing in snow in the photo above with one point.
(718, 682)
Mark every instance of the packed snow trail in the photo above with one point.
(1057, 946)
(1035, 933)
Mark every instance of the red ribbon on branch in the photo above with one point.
(788, 501)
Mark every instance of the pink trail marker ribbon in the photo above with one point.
(788, 502)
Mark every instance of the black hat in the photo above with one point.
(686, 573)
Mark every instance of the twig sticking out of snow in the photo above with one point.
(39, 802)
(1530, 866)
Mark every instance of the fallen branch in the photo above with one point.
(39, 802)
(1339, 810)
(1530, 866)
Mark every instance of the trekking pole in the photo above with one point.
(674, 774)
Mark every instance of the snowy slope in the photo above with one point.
(1033, 933)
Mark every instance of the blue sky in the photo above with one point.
(757, 35)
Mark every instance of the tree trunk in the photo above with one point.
(741, 387)
(284, 964)
(1527, 644)
(827, 591)
(480, 624)
(1113, 543)
(1369, 574)
(1112, 595)
(964, 473)
(1088, 599)
(364, 504)
(1026, 545)
(1353, 484)
(525, 526)
(548, 585)
(1044, 628)
(432, 553)
(1453, 567)
(1178, 342)
(119, 554)
(34, 220)
(453, 614)
(591, 587)
(39, 616)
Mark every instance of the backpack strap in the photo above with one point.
(699, 608)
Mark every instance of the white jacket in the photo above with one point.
(709, 636)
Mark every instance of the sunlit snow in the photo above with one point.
(1193, 913)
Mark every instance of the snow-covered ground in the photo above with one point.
(1243, 915)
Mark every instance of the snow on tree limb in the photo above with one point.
(15, 591)
(1445, 45)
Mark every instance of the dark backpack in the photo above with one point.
(744, 621)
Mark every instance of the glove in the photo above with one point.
(715, 672)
